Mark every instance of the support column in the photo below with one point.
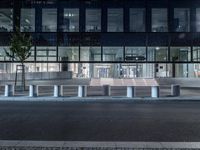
(82, 91)
(9, 90)
(33, 90)
(58, 90)
(175, 90)
(106, 90)
(155, 91)
(131, 91)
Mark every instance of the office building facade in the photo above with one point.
(105, 38)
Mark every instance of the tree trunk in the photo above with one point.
(173, 70)
(23, 78)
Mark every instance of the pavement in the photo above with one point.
(82, 145)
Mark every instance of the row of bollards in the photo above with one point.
(82, 91)
(33, 90)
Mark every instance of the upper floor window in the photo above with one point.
(49, 20)
(198, 19)
(27, 21)
(71, 20)
(182, 19)
(137, 20)
(115, 20)
(6, 20)
(93, 20)
(159, 20)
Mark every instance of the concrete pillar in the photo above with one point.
(58, 90)
(175, 90)
(155, 91)
(106, 90)
(33, 90)
(9, 90)
(82, 91)
(131, 91)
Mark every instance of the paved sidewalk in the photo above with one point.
(85, 145)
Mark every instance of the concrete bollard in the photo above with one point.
(82, 91)
(155, 91)
(9, 90)
(175, 90)
(106, 90)
(131, 91)
(58, 90)
(33, 90)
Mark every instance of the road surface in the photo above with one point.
(100, 121)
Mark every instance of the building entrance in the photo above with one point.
(103, 72)
(132, 70)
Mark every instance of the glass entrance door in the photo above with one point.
(103, 72)
(132, 70)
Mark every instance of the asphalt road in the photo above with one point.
(100, 121)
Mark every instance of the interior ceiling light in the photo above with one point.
(69, 15)
(157, 48)
(27, 21)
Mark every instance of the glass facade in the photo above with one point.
(182, 19)
(49, 20)
(68, 53)
(137, 20)
(197, 19)
(159, 20)
(196, 53)
(93, 20)
(113, 53)
(27, 20)
(90, 54)
(71, 20)
(180, 54)
(135, 54)
(44, 53)
(115, 20)
(139, 38)
(6, 20)
(158, 54)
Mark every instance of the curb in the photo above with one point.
(94, 99)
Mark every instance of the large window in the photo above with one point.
(180, 54)
(71, 20)
(90, 53)
(135, 54)
(45, 53)
(182, 19)
(3, 56)
(6, 20)
(93, 20)
(159, 20)
(27, 21)
(196, 53)
(157, 53)
(49, 20)
(112, 53)
(137, 20)
(198, 19)
(68, 53)
(115, 20)
(31, 58)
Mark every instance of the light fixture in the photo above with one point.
(68, 15)
(157, 48)
(27, 21)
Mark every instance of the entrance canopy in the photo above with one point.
(124, 82)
